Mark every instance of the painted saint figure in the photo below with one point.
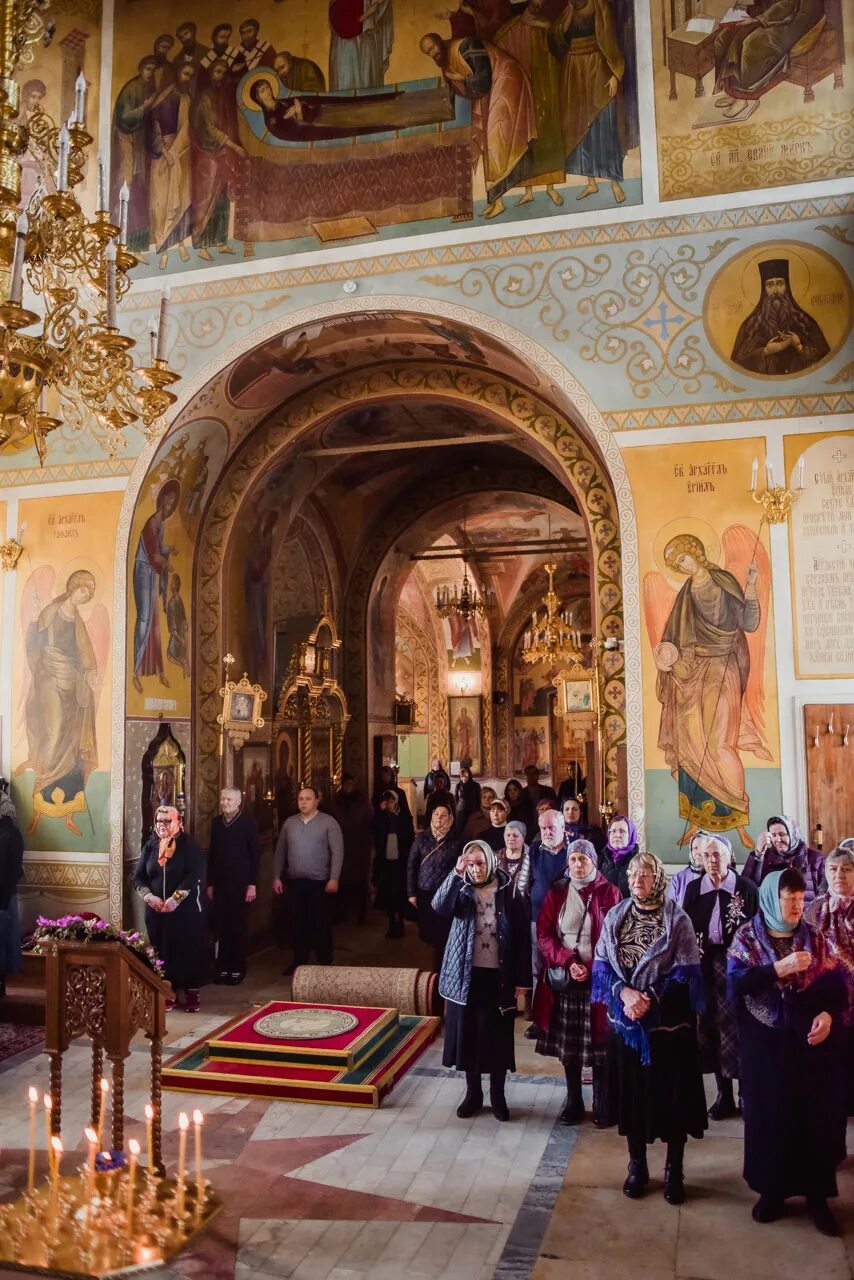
(256, 583)
(361, 33)
(778, 337)
(60, 707)
(526, 38)
(752, 56)
(170, 194)
(151, 569)
(215, 157)
(131, 158)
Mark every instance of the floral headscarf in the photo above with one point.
(631, 847)
(167, 842)
(491, 863)
(796, 838)
(655, 897)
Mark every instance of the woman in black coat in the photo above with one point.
(11, 870)
(169, 878)
(393, 836)
(486, 966)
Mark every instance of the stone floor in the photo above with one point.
(336, 1193)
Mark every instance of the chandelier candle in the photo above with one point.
(124, 200)
(62, 166)
(102, 184)
(80, 104)
(160, 353)
(110, 258)
(16, 284)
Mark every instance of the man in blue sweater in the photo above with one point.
(548, 862)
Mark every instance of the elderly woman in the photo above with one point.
(718, 902)
(487, 965)
(621, 846)
(833, 915)
(515, 858)
(782, 846)
(646, 971)
(169, 878)
(677, 884)
(433, 854)
(791, 999)
(568, 929)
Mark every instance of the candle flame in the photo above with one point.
(48, 1102)
(149, 1111)
(133, 1147)
(91, 1135)
(56, 1143)
(183, 1121)
(33, 1094)
(105, 1084)
(197, 1117)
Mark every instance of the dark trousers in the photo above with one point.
(231, 929)
(311, 908)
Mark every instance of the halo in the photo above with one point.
(799, 272)
(685, 524)
(250, 81)
(73, 566)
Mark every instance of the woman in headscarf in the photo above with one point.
(646, 971)
(832, 914)
(521, 807)
(790, 995)
(677, 884)
(169, 878)
(393, 836)
(568, 928)
(718, 902)
(486, 966)
(433, 854)
(467, 796)
(11, 870)
(515, 858)
(782, 845)
(577, 828)
(620, 848)
(499, 812)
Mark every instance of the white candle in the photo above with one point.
(62, 166)
(162, 326)
(801, 472)
(56, 1149)
(198, 1119)
(102, 182)
(33, 1096)
(92, 1139)
(152, 340)
(133, 1148)
(149, 1133)
(770, 470)
(16, 284)
(80, 100)
(110, 257)
(105, 1088)
(124, 201)
(754, 471)
(48, 1109)
(183, 1126)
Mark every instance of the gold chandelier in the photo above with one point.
(77, 271)
(551, 638)
(464, 602)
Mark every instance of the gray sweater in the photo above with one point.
(311, 850)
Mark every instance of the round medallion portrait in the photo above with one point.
(778, 310)
(306, 1024)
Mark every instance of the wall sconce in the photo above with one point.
(10, 554)
(776, 500)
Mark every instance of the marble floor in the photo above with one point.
(408, 1191)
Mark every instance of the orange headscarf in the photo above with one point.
(167, 843)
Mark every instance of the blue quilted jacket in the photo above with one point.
(456, 898)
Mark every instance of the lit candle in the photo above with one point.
(56, 1161)
(124, 200)
(92, 1139)
(102, 182)
(754, 472)
(770, 471)
(33, 1095)
(80, 101)
(48, 1109)
(198, 1120)
(162, 326)
(16, 283)
(110, 259)
(801, 472)
(133, 1148)
(183, 1126)
(149, 1133)
(152, 340)
(62, 166)
(105, 1089)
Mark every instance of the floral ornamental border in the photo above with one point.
(81, 929)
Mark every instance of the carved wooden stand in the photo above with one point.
(104, 991)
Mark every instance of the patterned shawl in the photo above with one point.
(674, 957)
(167, 842)
(752, 947)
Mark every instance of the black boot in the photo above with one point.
(496, 1096)
(767, 1209)
(636, 1183)
(573, 1111)
(674, 1177)
(822, 1217)
(723, 1107)
(473, 1101)
(601, 1112)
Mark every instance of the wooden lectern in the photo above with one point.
(104, 991)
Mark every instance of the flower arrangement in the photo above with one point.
(92, 929)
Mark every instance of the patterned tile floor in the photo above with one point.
(335, 1193)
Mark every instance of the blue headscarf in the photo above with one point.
(769, 904)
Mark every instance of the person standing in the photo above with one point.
(169, 877)
(433, 854)
(620, 847)
(440, 795)
(309, 857)
(11, 870)
(548, 863)
(576, 827)
(832, 914)
(781, 845)
(538, 791)
(677, 885)
(233, 858)
(467, 796)
(499, 811)
(436, 768)
(354, 813)
(393, 836)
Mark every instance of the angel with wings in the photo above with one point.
(708, 641)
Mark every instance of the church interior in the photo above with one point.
(426, 660)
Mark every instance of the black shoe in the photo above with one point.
(222, 979)
(723, 1108)
(470, 1105)
(767, 1209)
(636, 1183)
(674, 1184)
(235, 979)
(498, 1103)
(822, 1217)
(573, 1111)
(601, 1120)
(533, 1032)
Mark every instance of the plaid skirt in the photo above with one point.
(568, 1036)
(717, 1028)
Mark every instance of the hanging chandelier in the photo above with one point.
(77, 271)
(551, 637)
(465, 601)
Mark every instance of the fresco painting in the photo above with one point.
(239, 132)
(709, 682)
(160, 567)
(62, 670)
(751, 95)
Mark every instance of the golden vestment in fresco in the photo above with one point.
(585, 38)
(526, 38)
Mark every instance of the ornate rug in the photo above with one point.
(346, 1055)
(16, 1039)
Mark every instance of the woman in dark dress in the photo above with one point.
(169, 878)
(782, 845)
(620, 847)
(568, 928)
(718, 902)
(832, 913)
(393, 836)
(486, 966)
(11, 870)
(433, 854)
(790, 995)
(521, 808)
(647, 973)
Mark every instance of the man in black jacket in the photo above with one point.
(232, 877)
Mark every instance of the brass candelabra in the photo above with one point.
(77, 271)
(551, 637)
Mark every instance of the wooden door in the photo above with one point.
(830, 771)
